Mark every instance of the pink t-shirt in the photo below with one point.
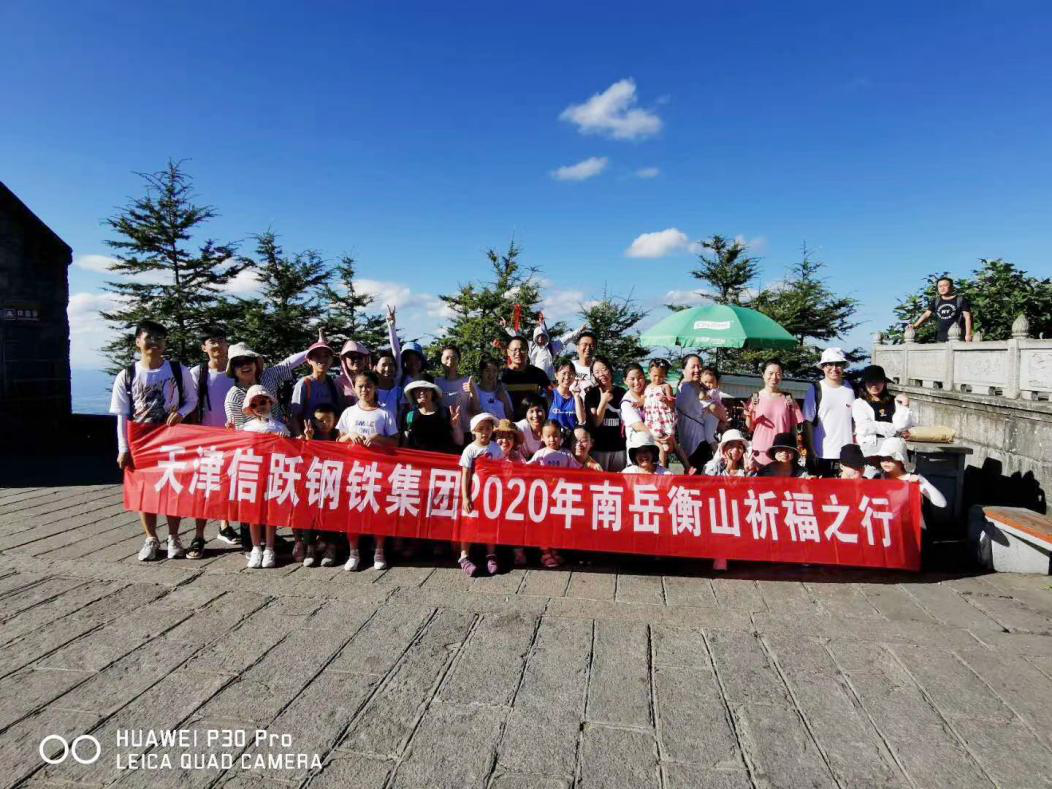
(773, 414)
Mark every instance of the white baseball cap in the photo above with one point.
(478, 419)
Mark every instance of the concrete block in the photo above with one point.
(1004, 547)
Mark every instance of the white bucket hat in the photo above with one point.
(637, 439)
(240, 351)
(894, 448)
(730, 437)
(254, 391)
(422, 385)
(832, 356)
(478, 419)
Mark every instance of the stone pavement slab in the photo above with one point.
(604, 673)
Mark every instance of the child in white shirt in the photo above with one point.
(367, 424)
(257, 408)
(482, 447)
(552, 455)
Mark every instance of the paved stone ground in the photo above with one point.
(633, 673)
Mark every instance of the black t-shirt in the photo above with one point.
(948, 312)
(609, 436)
(432, 432)
(883, 409)
(521, 383)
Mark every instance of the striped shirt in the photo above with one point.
(272, 378)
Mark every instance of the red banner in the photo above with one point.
(205, 472)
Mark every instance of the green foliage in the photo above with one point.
(478, 309)
(999, 292)
(285, 317)
(727, 272)
(346, 311)
(162, 277)
(611, 320)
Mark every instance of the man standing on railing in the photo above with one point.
(949, 308)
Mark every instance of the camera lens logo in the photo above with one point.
(77, 749)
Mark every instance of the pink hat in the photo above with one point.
(353, 346)
(320, 345)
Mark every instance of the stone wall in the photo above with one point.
(1011, 440)
(34, 327)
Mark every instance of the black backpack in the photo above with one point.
(177, 374)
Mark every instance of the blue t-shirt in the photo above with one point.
(563, 410)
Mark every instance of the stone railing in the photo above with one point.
(1019, 368)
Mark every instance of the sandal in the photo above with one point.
(196, 549)
(467, 566)
(549, 560)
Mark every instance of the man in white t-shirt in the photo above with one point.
(827, 413)
(586, 350)
(152, 396)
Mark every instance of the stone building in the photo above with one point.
(34, 326)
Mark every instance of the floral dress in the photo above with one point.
(659, 414)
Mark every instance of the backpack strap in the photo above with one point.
(129, 378)
(818, 399)
(203, 398)
(177, 374)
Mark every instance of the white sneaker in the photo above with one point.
(148, 552)
(329, 559)
(352, 562)
(175, 548)
(309, 556)
(268, 559)
(255, 558)
(379, 562)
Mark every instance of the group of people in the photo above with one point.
(534, 406)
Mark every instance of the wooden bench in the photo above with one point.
(1012, 539)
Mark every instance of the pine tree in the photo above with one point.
(479, 307)
(285, 317)
(611, 319)
(162, 277)
(346, 316)
(806, 308)
(727, 272)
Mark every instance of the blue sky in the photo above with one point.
(894, 139)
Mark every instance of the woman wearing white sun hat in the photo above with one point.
(894, 462)
(731, 457)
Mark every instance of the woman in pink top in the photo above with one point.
(770, 412)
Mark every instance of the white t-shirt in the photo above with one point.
(491, 403)
(377, 422)
(553, 458)
(154, 395)
(634, 469)
(268, 425)
(473, 452)
(213, 412)
(835, 427)
(530, 445)
(630, 412)
(453, 394)
(584, 375)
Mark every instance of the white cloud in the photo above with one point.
(648, 172)
(97, 263)
(612, 113)
(88, 332)
(690, 297)
(244, 283)
(658, 244)
(581, 171)
(755, 245)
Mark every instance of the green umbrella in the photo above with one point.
(718, 326)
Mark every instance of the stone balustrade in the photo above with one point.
(1019, 368)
